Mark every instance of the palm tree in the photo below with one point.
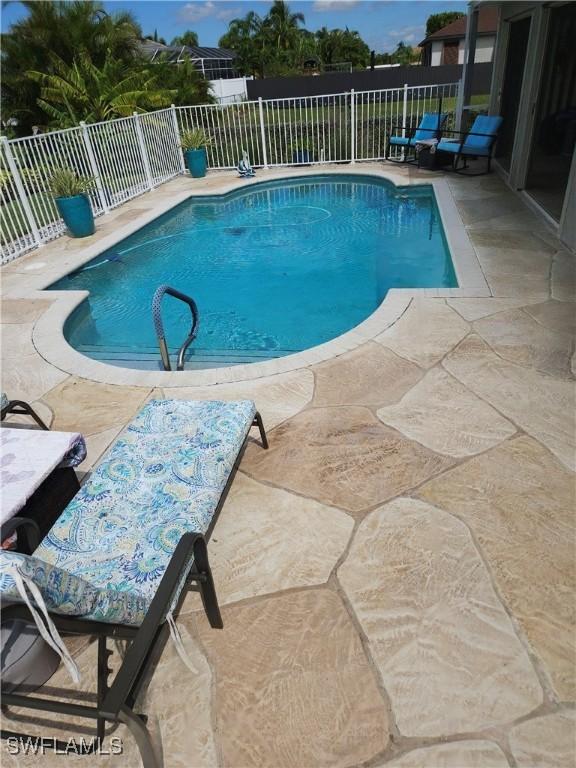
(283, 25)
(83, 91)
(64, 28)
(188, 38)
(245, 37)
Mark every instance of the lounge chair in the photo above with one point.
(430, 127)
(119, 560)
(479, 141)
(19, 407)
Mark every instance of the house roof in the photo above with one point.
(487, 25)
(174, 52)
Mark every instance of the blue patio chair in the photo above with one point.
(479, 141)
(430, 127)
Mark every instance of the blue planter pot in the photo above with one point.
(196, 162)
(77, 214)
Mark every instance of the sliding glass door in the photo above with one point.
(555, 117)
(512, 88)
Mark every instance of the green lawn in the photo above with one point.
(13, 220)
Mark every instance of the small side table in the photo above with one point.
(431, 158)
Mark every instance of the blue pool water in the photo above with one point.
(274, 269)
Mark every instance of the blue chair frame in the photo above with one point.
(479, 141)
(431, 127)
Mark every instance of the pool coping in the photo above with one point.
(48, 332)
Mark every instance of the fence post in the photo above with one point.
(459, 105)
(94, 168)
(177, 135)
(405, 109)
(404, 115)
(27, 208)
(262, 132)
(143, 151)
(352, 126)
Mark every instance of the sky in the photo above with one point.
(381, 23)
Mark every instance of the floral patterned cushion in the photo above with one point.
(3, 400)
(68, 594)
(162, 478)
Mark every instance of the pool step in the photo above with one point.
(148, 358)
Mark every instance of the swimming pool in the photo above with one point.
(275, 268)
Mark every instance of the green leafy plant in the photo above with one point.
(65, 183)
(195, 138)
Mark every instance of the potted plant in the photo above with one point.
(71, 197)
(194, 143)
(302, 153)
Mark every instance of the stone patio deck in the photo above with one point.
(397, 572)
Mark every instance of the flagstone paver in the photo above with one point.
(278, 397)
(558, 316)
(370, 375)
(458, 754)
(519, 240)
(293, 686)
(29, 377)
(489, 208)
(426, 332)
(545, 742)
(444, 645)
(268, 540)
(474, 309)
(446, 417)
(512, 272)
(23, 310)
(80, 405)
(517, 337)
(563, 279)
(342, 456)
(543, 406)
(299, 674)
(16, 340)
(519, 501)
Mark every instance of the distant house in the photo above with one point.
(213, 63)
(446, 45)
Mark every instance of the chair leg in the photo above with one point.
(141, 736)
(260, 424)
(102, 683)
(19, 407)
(206, 583)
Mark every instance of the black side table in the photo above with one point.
(433, 161)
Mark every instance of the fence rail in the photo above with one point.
(133, 155)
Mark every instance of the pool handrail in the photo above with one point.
(159, 294)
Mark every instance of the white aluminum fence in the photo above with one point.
(133, 155)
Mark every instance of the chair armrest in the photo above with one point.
(12, 525)
(143, 643)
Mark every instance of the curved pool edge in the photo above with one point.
(48, 332)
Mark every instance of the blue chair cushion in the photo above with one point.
(67, 594)
(445, 145)
(162, 478)
(401, 141)
(488, 126)
(429, 128)
(4, 400)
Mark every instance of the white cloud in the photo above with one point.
(195, 12)
(334, 5)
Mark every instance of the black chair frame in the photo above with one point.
(460, 155)
(116, 703)
(410, 133)
(21, 408)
